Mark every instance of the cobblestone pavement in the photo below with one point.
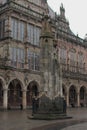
(18, 120)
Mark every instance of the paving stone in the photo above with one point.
(18, 120)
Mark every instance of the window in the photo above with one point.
(13, 56)
(14, 27)
(81, 64)
(63, 55)
(72, 56)
(17, 56)
(20, 56)
(18, 29)
(33, 34)
(2, 29)
(37, 61)
(33, 61)
(38, 32)
(21, 30)
(80, 60)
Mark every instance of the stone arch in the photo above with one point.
(32, 90)
(72, 95)
(15, 88)
(36, 82)
(19, 80)
(82, 96)
(3, 82)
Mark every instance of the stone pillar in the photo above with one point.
(78, 99)
(67, 98)
(5, 98)
(26, 56)
(24, 99)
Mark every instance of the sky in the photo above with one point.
(75, 12)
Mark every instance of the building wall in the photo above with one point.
(13, 48)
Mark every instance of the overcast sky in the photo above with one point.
(75, 12)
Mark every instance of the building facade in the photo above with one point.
(20, 73)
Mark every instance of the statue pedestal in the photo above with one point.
(51, 109)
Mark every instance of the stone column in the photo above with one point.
(67, 98)
(5, 98)
(24, 99)
(26, 56)
(78, 99)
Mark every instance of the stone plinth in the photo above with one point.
(50, 109)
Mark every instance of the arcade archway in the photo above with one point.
(82, 96)
(72, 96)
(32, 90)
(14, 94)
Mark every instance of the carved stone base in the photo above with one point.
(51, 109)
(50, 116)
